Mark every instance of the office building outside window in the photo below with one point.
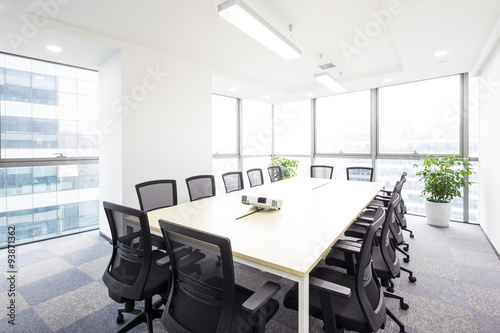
(49, 181)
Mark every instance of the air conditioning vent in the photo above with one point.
(327, 66)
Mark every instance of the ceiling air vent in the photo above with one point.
(328, 65)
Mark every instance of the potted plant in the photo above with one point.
(288, 167)
(444, 178)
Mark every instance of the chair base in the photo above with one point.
(142, 315)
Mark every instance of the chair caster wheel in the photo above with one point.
(407, 260)
(119, 318)
(412, 279)
(390, 289)
(412, 236)
(406, 248)
(404, 306)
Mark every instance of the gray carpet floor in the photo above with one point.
(59, 286)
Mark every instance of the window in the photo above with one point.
(343, 123)
(46, 110)
(292, 128)
(256, 128)
(421, 117)
(224, 125)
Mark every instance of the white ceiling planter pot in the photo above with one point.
(438, 214)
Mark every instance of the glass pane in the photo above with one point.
(422, 116)
(292, 128)
(343, 123)
(340, 165)
(474, 195)
(474, 100)
(257, 128)
(33, 203)
(34, 111)
(224, 125)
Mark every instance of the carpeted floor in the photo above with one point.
(59, 286)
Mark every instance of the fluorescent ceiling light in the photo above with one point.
(387, 80)
(330, 82)
(243, 17)
(53, 48)
(441, 53)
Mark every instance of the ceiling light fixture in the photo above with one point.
(53, 48)
(387, 80)
(243, 17)
(441, 53)
(330, 82)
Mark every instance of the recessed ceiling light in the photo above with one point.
(53, 48)
(441, 53)
(233, 89)
(267, 96)
(310, 95)
(387, 81)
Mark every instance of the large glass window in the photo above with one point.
(292, 128)
(343, 123)
(224, 125)
(421, 117)
(257, 128)
(46, 110)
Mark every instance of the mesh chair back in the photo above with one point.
(363, 174)
(126, 273)
(396, 228)
(202, 293)
(233, 181)
(387, 247)
(255, 177)
(321, 171)
(274, 173)
(368, 287)
(157, 194)
(200, 187)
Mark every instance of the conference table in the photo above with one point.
(288, 242)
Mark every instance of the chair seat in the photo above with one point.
(348, 313)
(185, 308)
(156, 281)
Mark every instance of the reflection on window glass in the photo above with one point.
(224, 125)
(33, 98)
(292, 128)
(40, 207)
(40, 117)
(422, 116)
(474, 100)
(343, 123)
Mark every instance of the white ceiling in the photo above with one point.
(365, 43)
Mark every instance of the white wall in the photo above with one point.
(166, 125)
(489, 154)
(110, 133)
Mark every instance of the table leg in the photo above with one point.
(304, 304)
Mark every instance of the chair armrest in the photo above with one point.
(349, 247)
(330, 287)
(362, 224)
(261, 296)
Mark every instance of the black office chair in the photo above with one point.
(255, 177)
(275, 173)
(344, 301)
(157, 194)
(204, 296)
(200, 187)
(384, 256)
(397, 229)
(133, 273)
(233, 181)
(321, 171)
(364, 174)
